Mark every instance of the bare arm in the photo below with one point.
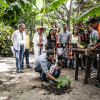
(79, 39)
(93, 48)
(50, 76)
(29, 47)
(70, 40)
(57, 53)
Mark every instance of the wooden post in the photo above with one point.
(89, 65)
(98, 73)
(87, 69)
(76, 69)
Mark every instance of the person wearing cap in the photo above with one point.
(18, 40)
(39, 41)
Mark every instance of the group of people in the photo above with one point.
(60, 44)
(21, 45)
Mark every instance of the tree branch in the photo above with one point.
(70, 7)
(62, 15)
(65, 8)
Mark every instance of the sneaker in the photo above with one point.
(94, 70)
(82, 68)
(50, 81)
(42, 79)
(29, 67)
(97, 85)
(79, 67)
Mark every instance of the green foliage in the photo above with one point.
(11, 11)
(5, 40)
(83, 44)
(92, 12)
(62, 82)
(51, 6)
(92, 38)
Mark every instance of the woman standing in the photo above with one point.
(85, 37)
(51, 39)
(74, 38)
(18, 40)
(39, 41)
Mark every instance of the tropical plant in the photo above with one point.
(92, 39)
(83, 44)
(5, 40)
(11, 10)
(62, 82)
(44, 9)
(92, 12)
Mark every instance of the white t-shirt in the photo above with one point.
(21, 39)
(59, 50)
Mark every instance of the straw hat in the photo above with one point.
(36, 29)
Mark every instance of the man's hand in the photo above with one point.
(92, 48)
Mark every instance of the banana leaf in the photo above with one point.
(90, 12)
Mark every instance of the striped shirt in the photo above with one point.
(53, 68)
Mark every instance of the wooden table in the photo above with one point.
(78, 51)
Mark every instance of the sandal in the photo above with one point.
(21, 71)
(17, 72)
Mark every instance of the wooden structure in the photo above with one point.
(78, 51)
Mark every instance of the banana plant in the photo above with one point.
(44, 9)
(91, 12)
(13, 10)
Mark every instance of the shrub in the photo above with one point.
(5, 40)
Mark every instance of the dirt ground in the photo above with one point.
(20, 86)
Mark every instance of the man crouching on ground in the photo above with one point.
(43, 63)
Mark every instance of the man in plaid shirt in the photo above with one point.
(55, 70)
(71, 56)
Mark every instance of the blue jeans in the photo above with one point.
(19, 57)
(65, 61)
(71, 63)
(48, 47)
(56, 73)
(60, 58)
(95, 62)
(26, 54)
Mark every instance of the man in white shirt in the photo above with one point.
(18, 40)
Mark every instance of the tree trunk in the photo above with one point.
(42, 18)
(68, 22)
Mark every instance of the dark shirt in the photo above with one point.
(51, 41)
(85, 40)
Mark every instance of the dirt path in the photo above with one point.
(19, 86)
